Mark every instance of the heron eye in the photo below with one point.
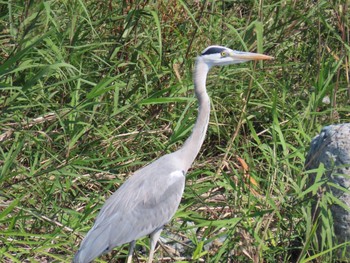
(223, 54)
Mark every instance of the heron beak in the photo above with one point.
(237, 55)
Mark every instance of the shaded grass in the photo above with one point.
(92, 91)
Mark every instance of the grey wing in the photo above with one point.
(156, 208)
(145, 202)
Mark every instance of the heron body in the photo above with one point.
(151, 196)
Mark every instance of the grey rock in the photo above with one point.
(332, 148)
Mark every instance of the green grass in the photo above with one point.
(92, 90)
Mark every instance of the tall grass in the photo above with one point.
(93, 90)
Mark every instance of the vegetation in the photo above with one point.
(93, 90)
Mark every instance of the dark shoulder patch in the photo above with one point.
(212, 50)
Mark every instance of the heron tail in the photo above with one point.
(94, 244)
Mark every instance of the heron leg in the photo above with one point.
(154, 239)
(131, 251)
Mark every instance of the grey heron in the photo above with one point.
(150, 197)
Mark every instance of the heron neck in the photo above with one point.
(192, 145)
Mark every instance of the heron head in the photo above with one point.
(220, 56)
